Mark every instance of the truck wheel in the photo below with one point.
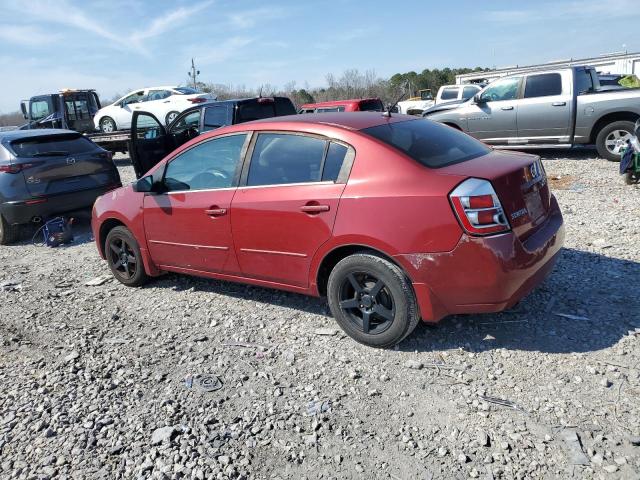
(107, 125)
(171, 116)
(613, 138)
(372, 300)
(8, 233)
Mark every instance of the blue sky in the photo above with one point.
(117, 45)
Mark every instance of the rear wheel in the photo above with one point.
(171, 116)
(372, 300)
(8, 233)
(613, 138)
(124, 258)
(107, 125)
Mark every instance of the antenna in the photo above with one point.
(193, 74)
(260, 92)
(391, 107)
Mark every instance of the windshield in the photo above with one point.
(432, 144)
(186, 90)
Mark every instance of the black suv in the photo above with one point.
(46, 172)
(151, 142)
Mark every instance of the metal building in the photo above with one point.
(625, 63)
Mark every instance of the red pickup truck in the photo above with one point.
(352, 105)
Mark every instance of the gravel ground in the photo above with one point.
(109, 382)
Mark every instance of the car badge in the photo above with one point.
(71, 160)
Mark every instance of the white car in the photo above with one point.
(164, 102)
(416, 105)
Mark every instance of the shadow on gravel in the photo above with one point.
(595, 290)
(577, 153)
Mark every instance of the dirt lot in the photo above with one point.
(110, 382)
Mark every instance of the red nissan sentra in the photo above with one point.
(394, 219)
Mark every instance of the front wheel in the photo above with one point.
(613, 138)
(107, 125)
(124, 257)
(372, 300)
(171, 116)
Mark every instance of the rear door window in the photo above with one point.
(280, 159)
(333, 161)
(544, 85)
(59, 145)
(284, 106)
(430, 143)
(449, 94)
(254, 110)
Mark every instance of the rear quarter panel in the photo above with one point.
(593, 106)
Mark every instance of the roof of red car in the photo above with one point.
(336, 103)
(346, 120)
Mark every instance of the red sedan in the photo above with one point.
(394, 219)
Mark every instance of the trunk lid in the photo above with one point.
(520, 183)
(58, 164)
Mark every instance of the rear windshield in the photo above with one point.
(432, 144)
(371, 106)
(186, 90)
(58, 145)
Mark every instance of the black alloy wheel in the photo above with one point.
(367, 302)
(124, 258)
(372, 299)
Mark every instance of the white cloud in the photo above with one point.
(250, 18)
(170, 20)
(225, 50)
(26, 35)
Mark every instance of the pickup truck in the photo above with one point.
(556, 108)
(71, 110)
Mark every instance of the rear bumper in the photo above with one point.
(23, 211)
(482, 275)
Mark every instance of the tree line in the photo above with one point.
(351, 84)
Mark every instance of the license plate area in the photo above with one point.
(533, 201)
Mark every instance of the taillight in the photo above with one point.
(13, 167)
(265, 100)
(197, 99)
(478, 208)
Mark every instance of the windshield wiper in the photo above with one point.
(53, 153)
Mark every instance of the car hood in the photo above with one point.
(441, 107)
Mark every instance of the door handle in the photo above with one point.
(559, 104)
(507, 108)
(216, 212)
(311, 209)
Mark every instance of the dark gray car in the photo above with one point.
(45, 173)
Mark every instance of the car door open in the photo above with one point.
(148, 142)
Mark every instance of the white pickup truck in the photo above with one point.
(556, 108)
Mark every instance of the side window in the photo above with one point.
(215, 117)
(544, 85)
(158, 95)
(449, 94)
(330, 109)
(208, 165)
(40, 109)
(190, 120)
(502, 89)
(333, 162)
(285, 158)
(469, 92)
(135, 98)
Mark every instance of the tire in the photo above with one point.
(8, 233)
(107, 125)
(394, 297)
(171, 116)
(611, 138)
(119, 243)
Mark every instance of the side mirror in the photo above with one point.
(23, 107)
(147, 185)
(477, 98)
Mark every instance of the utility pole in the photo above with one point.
(193, 74)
